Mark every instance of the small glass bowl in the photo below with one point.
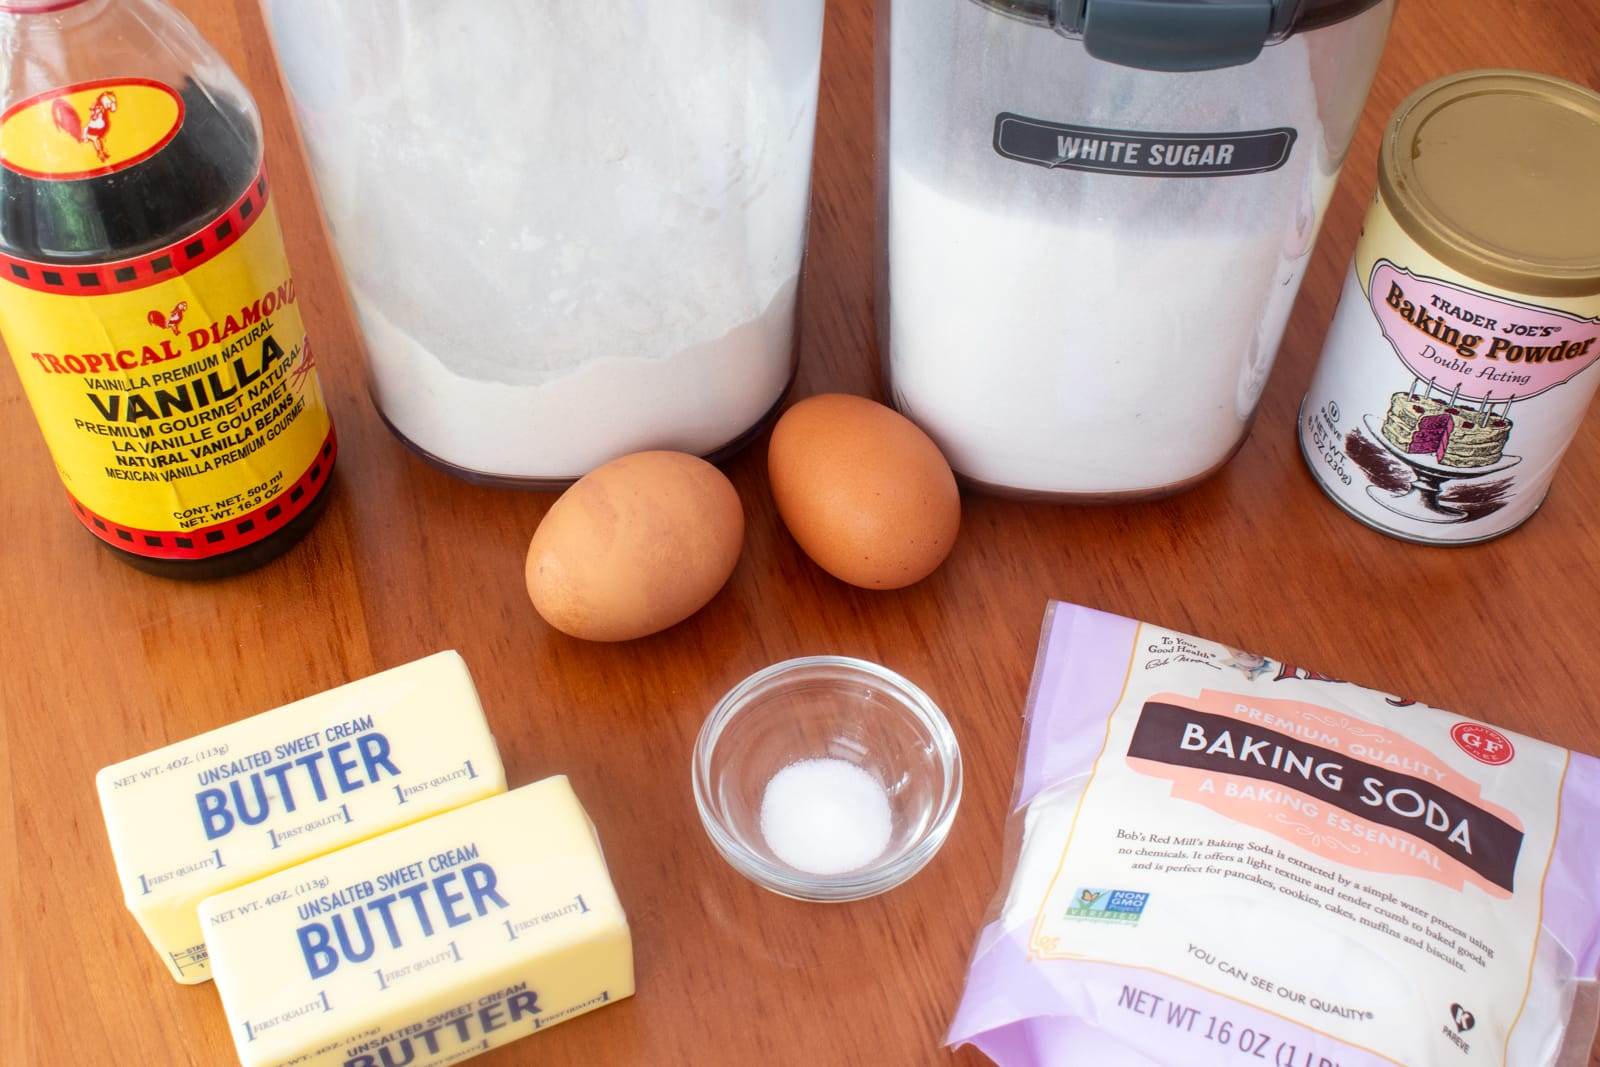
(827, 707)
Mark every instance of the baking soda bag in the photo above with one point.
(1221, 858)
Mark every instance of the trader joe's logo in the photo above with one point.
(1476, 347)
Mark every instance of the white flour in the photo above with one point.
(571, 231)
(694, 400)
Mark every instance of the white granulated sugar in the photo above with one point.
(1079, 333)
(826, 816)
(570, 231)
(1056, 395)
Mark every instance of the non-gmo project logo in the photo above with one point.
(1108, 905)
(1483, 743)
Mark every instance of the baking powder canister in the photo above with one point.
(1459, 363)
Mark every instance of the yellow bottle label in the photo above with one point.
(88, 129)
(176, 390)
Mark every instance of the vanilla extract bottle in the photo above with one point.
(145, 296)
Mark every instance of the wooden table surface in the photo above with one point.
(101, 663)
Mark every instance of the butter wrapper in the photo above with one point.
(240, 802)
(427, 945)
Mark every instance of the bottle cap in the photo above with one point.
(35, 7)
(1179, 35)
(1493, 172)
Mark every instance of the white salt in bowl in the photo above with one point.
(835, 709)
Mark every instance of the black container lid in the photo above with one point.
(1179, 35)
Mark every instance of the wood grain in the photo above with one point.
(101, 663)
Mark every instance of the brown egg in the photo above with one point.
(635, 546)
(864, 491)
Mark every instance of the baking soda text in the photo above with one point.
(1402, 801)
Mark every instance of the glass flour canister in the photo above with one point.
(1095, 216)
(1458, 366)
(569, 231)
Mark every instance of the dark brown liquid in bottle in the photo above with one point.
(169, 196)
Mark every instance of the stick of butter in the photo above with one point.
(267, 792)
(426, 945)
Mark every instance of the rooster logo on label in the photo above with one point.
(172, 320)
(92, 132)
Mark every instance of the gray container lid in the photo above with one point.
(1179, 35)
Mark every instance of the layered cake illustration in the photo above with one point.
(1454, 436)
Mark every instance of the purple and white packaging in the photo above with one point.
(1219, 858)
